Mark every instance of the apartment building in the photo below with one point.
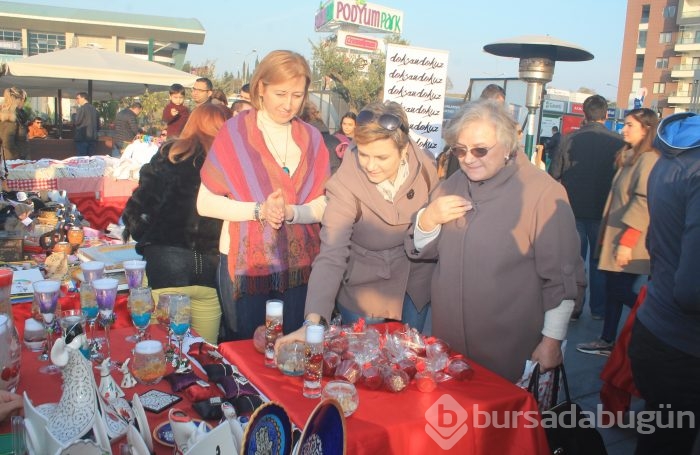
(27, 30)
(661, 55)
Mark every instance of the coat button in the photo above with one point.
(410, 194)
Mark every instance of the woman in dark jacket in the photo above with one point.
(181, 247)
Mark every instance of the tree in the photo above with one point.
(357, 78)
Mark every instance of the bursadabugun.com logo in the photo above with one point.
(447, 420)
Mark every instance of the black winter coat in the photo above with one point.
(163, 208)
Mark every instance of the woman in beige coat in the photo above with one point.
(623, 253)
(509, 266)
(372, 198)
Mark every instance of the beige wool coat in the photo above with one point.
(362, 263)
(627, 207)
(513, 257)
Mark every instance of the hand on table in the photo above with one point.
(298, 335)
(10, 404)
(548, 354)
(443, 210)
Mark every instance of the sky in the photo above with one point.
(462, 27)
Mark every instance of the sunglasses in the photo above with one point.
(389, 122)
(460, 151)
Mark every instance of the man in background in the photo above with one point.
(585, 166)
(86, 125)
(550, 148)
(126, 126)
(201, 91)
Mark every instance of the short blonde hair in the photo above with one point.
(373, 131)
(277, 67)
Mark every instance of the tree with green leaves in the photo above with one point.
(357, 78)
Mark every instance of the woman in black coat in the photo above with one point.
(180, 246)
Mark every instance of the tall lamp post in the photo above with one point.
(537, 56)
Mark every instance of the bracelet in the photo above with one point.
(256, 214)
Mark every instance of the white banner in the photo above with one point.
(415, 78)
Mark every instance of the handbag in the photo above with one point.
(562, 421)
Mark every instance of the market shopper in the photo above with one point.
(509, 267)
(180, 246)
(664, 348)
(12, 124)
(264, 177)
(362, 267)
(86, 126)
(623, 255)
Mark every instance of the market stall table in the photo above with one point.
(43, 388)
(388, 422)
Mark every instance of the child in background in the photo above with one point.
(175, 113)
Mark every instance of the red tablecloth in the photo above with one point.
(388, 423)
(43, 388)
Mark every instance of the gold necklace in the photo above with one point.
(274, 149)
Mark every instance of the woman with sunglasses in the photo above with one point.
(509, 266)
(362, 268)
(264, 178)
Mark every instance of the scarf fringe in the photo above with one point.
(278, 281)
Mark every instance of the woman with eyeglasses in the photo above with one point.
(180, 246)
(264, 178)
(362, 268)
(509, 266)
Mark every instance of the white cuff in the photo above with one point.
(556, 320)
(422, 238)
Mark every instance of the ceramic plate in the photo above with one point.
(324, 431)
(163, 434)
(138, 445)
(269, 431)
(142, 421)
(82, 447)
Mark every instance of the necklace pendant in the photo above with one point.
(285, 169)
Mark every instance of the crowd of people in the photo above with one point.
(490, 256)
(260, 201)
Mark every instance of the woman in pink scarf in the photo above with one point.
(264, 177)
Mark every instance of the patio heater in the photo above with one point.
(537, 55)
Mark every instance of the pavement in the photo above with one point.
(583, 374)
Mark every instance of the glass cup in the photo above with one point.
(10, 352)
(148, 366)
(92, 270)
(34, 335)
(134, 273)
(88, 304)
(106, 295)
(141, 308)
(75, 236)
(68, 320)
(162, 314)
(180, 319)
(273, 329)
(46, 294)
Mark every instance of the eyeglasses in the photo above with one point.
(195, 89)
(460, 151)
(389, 122)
